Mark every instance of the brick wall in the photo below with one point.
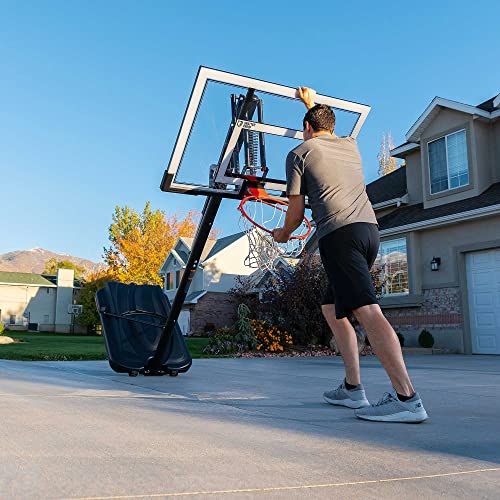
(214, 308)
(440, 313)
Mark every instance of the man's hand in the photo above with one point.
(280, 235)
(307, 96)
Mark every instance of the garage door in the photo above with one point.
(185, 321)
(483, 286)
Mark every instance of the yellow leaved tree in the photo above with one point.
(140, 242)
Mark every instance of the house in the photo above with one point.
(439, 219)
(38, 302)
(208, 305)
(440, 227)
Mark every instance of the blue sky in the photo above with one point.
(92, 93)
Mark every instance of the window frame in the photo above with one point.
(178, 277)
(168, 282)
(379, 258)
(445, 137)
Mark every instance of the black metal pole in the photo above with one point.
(212, 204)
(262, 139)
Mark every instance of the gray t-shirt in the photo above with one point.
(329, 171)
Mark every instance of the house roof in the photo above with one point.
(222, 243)
(192, 298)
(213, 247)
(208, 247)
(416, 213)
(25, 279)
(490, 105)
(388, 187)
(489, 109)
(53, 279)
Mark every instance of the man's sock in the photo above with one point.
(349, 386)
(404, 398)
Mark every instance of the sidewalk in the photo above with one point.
(244, 429)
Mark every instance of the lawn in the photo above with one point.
(45, 346)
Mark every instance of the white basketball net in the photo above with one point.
(264, 252)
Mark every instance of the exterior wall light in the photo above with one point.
(435, 263)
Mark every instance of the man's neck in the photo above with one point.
(323, 132)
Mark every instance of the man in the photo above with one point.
(328, 170)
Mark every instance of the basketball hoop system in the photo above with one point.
(261, 214)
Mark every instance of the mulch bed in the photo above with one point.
(310, 351)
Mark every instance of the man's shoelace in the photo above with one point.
(386, 398)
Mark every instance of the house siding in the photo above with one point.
(484, 154)
(414, 178)
(496, 151)
(21, 299)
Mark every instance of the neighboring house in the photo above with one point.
(208, 305)
(37, 301)
(439, 219)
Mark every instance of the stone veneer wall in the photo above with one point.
(214, 308)
(440, 313)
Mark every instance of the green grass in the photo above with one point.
(46, 346)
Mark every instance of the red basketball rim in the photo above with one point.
(272, 202)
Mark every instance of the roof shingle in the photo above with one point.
(416, 213)
(388, 187)
(24, 279)
(488, 105)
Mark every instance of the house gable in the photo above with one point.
(443, 119)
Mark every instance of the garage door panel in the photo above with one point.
(484, 299)
(485, 319)
(483, 288)
(481, 279)
(487, 342)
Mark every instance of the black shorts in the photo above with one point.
(348, 254)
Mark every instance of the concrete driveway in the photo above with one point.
(244, 428)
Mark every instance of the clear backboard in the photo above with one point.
(235, 126)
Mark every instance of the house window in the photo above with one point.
(178, 277)
(390, 271)
(448, 163)
(12, 319)
(170, 281)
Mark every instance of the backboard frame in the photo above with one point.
(206, 75)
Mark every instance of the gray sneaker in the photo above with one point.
(356, 398)
(391, 409)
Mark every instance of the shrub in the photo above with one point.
(425, 339)
(290, 298)
(244, 330)
(270, 338)
(2, 328)
(223, 342)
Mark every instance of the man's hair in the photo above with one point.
(320, 117)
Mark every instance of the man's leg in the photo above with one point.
(386, 346)
(349, 393)
(347, 343)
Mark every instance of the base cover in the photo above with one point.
(132, 321)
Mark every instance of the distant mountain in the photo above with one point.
(33, 261)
